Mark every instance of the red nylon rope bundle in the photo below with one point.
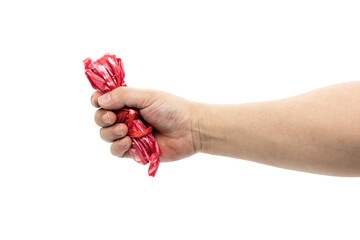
(106, 74)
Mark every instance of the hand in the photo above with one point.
(174, 120)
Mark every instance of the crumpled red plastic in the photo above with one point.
(106, 74)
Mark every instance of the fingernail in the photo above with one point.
(123, 143)
(118, 131)
(106, 118)
(104, 99)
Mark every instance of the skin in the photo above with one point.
(316, 132)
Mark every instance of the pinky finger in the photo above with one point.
(120, 147)
(127, 155)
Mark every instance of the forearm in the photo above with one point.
(316, 132)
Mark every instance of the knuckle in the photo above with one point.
(114, 98)
(118, 95)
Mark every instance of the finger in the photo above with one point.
(120, 147)
(94, 99)
(126, 96)
(114, 132)
(104, 118)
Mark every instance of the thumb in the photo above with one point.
(127, 96)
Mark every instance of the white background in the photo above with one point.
(58, 179)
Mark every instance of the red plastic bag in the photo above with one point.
(106, 74)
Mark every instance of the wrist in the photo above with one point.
(202, 130)
(210, 128)
(196, 110)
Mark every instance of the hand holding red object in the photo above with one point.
(106, 74)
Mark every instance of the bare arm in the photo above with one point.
(316, 132)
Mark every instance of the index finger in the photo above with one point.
(94, 99)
